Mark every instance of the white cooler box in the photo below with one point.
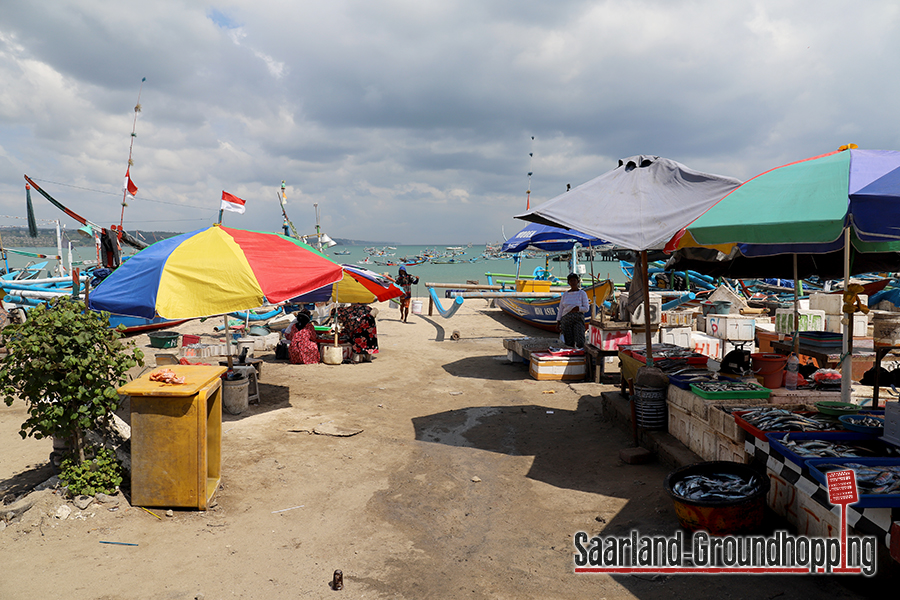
(731, 327)
(546, 366)
(609, 339)
(810, 320)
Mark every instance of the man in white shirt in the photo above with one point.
(573, 306)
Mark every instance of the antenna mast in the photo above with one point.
(137, 109)
(530, 160)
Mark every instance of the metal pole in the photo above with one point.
(796, 309)
(644, 271)
(847, 345)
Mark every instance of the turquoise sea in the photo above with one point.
(426, 272)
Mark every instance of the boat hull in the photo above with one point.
(541, 312)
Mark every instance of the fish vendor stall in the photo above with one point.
(796, 462)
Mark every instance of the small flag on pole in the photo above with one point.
(129, 184)
(232, 203)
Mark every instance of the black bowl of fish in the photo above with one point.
(720, 497)
(863, 423)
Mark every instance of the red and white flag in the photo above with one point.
(232, 203)
(129, 184)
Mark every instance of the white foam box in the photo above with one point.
(810, 320)
(677, 318)
(832, 304)
(860, 324)
(608, 339)
(731, 327)
(547, 367)
(679, 336)
(711, 346)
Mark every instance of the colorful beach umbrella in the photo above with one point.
(549, 239)
(357, 286)
(213, 271)
(844, 200)
(805, 207)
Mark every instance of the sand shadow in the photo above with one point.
(568, 448)
(496, 368)
(22, 483)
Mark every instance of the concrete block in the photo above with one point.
(683, 399)
(635, 456)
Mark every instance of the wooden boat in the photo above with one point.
(541, 312)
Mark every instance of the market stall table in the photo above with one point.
(176, 438)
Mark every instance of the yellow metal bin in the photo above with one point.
(176, 438)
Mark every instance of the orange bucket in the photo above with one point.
(768, 368)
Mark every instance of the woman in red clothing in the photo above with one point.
(303, 350)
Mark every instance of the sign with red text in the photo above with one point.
(842, 487)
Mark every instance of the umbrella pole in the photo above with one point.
(847, 346)
(796, 309)
(228, 341)
(644, 273)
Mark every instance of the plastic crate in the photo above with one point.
(760, 392)
(847, 437)
(865, 500)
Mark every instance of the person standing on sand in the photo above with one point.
(405, 281)
(573, 305)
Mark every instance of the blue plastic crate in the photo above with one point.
(865, 500)
(848, 437)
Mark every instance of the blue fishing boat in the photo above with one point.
(541, 312)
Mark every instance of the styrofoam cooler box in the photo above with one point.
(714, 347)
(731, 327)
(707, 345)
(638, 315)
(810, 320)
(832, 304)
(609, 339)
(546, 366)
(860, 324)
(677, 318)
(679, 336)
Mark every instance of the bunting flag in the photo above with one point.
(129, 184)
(232, 203)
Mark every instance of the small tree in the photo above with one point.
(66, 363)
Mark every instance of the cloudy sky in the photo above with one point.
(412, 120)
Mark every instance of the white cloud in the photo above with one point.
(413, 119)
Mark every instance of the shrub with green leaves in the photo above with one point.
(66, 363)
(101, 472)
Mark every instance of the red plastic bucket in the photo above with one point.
(769, 367)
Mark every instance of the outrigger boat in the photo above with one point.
(541, 312)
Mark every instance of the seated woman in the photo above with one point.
(303, 350)
(358, 326)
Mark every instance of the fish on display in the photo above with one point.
(717, 486)
(870, 479)
(779, 419)
(865, 421)
(822, 448)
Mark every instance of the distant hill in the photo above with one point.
(17, 237)
(13, 236)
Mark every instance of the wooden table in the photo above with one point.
(176, 438)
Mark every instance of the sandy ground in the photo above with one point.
(468, 480)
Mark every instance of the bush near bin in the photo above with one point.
(65, 363)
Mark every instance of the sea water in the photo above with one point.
(429, 272)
